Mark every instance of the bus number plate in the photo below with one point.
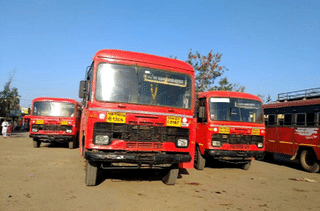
(64, 122)
(116, 117)
(174, 121)
(40, 122)
(224, 130)
(255, 132)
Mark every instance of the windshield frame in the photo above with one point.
(237, 107)
(141, 74)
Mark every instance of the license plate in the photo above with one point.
(255, 132)
(116, 117)
(40, 122)
(224, 130)
(64, 122)
(174, 121)
(239, 146)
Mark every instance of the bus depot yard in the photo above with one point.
(51, 178)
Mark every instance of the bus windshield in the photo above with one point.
(141, 85)
(235, 109)
(54, 109)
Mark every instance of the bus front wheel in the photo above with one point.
(71, 144)
(199, 161)
(309, 161)
(246, 166)
(36, 143)
(171, 177)
(91, 173)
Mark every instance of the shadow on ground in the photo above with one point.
(136, 175)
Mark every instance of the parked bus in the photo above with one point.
(292, 127)
(138, 112)
(54, 120)
(230, 128)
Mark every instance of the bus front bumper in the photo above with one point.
(135, 157)
(51, 138)
(234, 155)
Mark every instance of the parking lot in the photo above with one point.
(52, 178)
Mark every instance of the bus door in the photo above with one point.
(285, 134)
(271, 133)
(202, 122)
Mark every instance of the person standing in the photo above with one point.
(5, 126)
(10, 129)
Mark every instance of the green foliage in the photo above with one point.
(207, 70)
(9, 98)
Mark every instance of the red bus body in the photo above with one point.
(137, 108)
(54, 120)
(230, 128)
(292, 128)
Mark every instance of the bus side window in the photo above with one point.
(311, 119)
(272, 119)
(266, 117)
(301, 119)
(317, 118)
(280, 118)
(288, 119)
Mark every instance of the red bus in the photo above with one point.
(54, 120)
(230, 128)
(292, 127)
(138, 113)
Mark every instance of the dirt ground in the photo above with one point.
(52, 178)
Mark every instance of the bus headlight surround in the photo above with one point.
(102, 140)
(216, 143)
(68, 130)
(181, 142)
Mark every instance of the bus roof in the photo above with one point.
(292, 103)
(228, 94)
(141, 58)
(55, 99)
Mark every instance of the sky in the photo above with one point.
(268, 46)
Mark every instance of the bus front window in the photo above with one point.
(54, 109)
(234, 109)
(141, 85)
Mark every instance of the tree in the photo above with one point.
(9, 98)
(207, 69)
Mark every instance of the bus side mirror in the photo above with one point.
(82, 89)
(202, 112)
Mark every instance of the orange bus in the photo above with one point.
(138, 113)
(292, 127)
(54, 120)
(230, 128)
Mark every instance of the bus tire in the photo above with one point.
(199, 160)
(308, 161)
(246, 166)
(91, 173)
(71, 144)
(171, 177)
(36, 143)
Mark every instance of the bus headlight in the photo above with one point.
(102, 140)
(68, 130)
(34, 130)
(260, 145)
(182, 142)
(216, 143)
